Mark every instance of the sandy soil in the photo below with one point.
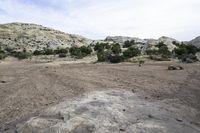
(26, 88)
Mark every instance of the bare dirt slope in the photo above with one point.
(27, 88)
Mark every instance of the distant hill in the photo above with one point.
(195, 42)
(144, 43)
(19, 36)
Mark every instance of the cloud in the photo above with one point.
(99, 18)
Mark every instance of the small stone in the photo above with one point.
(3, 81)
(179, 120)
(150, 116)
(122, 130)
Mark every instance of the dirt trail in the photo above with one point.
(26, 88)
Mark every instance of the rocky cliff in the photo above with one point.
(19, 36)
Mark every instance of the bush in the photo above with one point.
(76, 52)
(62, 55)
(180, 51)
(38, 52)
(164, 51)
(175, 43)
(101, 46)
(2, 55)
(9, 50)
(48, 51)
(23, 55)
(80, 52)
(85, 50)
(191, 49)
(152, 52)
(116, 58)
(103, 56)
(159, 58)
(184, 52)
(62, 50)
(160, 44)
(190, 58)
(131, 52)
(116, 49)
(128, 43)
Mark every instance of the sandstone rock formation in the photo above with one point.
(109, 112)
(195, 42)
(19, 36)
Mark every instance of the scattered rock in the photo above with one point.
(179, 120)
(122, 130)
(175, 67)
(3, 81)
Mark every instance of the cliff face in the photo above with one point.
(31, 37)
(195, 42)
(144, 43)
(19, 36)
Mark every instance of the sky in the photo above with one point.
(97, 19)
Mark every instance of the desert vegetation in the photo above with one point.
(80, 52)
(186, 53)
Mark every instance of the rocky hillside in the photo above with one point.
(195, 42)
(144, 43)
(18, 36)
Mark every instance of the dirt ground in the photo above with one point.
(26, 88)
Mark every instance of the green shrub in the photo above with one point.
(62, 50)
(48, 51)
(164, 51)
(2, 56)
(160, 44)
(188, 58)
(159, 58)
(85, 50)
(175, 43)
(80, 52)
(9, 50)
(103, 56)
(152, 52)
(180, 51)
(185, 50)
(76, 52)
(23, 55)
(131, 52)
(128, 43)
(191, 49)
(101, 46)
(62, 55)
(38, 52)
(116, 49)
(116, 58)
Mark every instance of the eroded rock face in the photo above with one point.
(195, 42)
(110, 112)
(19, 36)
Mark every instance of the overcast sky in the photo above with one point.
(97, 19)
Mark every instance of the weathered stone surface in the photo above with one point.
(19, 36)
(195, 42)
(110, 112)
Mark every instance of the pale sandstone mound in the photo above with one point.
(110, 112)
(19, 36)
(195, 42)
